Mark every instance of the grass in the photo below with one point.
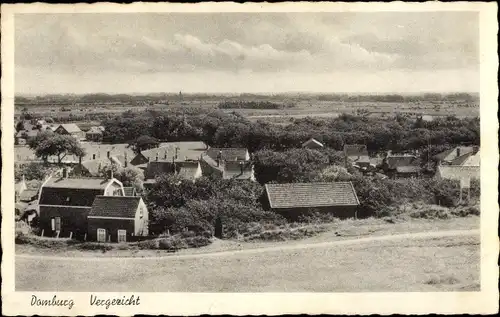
(446, 264)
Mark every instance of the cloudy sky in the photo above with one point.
(247, 52)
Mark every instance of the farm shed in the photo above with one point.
(238, 170)
(402, 166)
(64, 203)
(312, 143)
(94, 134)
(117, 219)
(70, 129)
(294, 199)
(356, 154)
(464, 174)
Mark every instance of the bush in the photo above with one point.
(173, 243)
(93, 246)
(431, 212)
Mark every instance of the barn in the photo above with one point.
(64, 203)
(70, 129)
(295, 199)
(117, 219)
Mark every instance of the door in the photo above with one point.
(101, 235)
(58, 224)
(122, 235)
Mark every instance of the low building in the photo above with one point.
(295, 199)
(464, 174)
(171, 151)
(402, 166)
(70, 129)
(65, 203)
(117, 219)
(312, 143)
(238, 170)
(457, 155)
(228, 154)
(95, 134)
(188, 170)
(356, 154)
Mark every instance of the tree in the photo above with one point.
(20, 126)
(47, 143)
(129, 176)
(144, 142)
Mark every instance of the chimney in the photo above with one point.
(111, 173)
(93, 156)
(458, 151)
(157, 154)
(176, 151)
(126, 159)
(218, 162)
(166, 151)
(65, 172)
(108, 154)
(241, 167)
(185, 158)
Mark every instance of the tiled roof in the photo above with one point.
(459, 172)
(296, 195)
(228, 154)
(403, 160)
(312, 142)
(235, 170)
(156, 168)
(28, 133)
(115, 206)
(355, 150)
(70, 127)
(189, 150)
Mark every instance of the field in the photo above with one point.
(304, 106)
(365, 257)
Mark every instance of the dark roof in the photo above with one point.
(115, 206)
(235, 170)
(228, 154)
(156, 168)
(404, 160)
(452, 154)
(355, 150)
(72, 191)
(69, 196)
(296, 195)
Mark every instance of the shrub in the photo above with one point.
(173, 243)
(93, 246)
(431, 212)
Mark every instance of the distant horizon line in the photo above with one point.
(245, 93)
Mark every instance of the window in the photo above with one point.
(101, 235)
(122, 235)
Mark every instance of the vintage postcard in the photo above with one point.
(249, 159)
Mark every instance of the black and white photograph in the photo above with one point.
(247, 152)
